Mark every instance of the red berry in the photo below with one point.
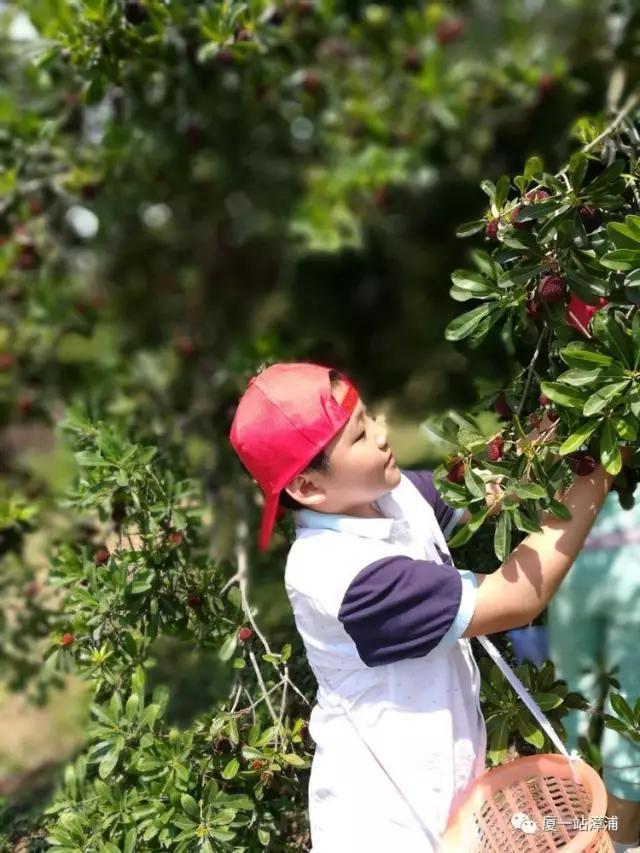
(101, 556)
(546, 83)
(243, 35)
(304, 7)
(311, 81)
(521, 226)
(194, 601)
(185, 346)
(223, 744)
(449, 30)
(135, 13)
(591, 218)
(495, 449)
(224, 56)
(536, 195)
(412, 61)
(244, 633)
(491, 229)
(89, 191)
(7, 360)
(67, 640)
(25, 402)
(176, 537)
(35, 206)
(552, 415)
(534, 421)
(582, 463)
(501, 407)
(552, 288)
(544, 400)
(381, 196)
(28, 259)
(304, 731)
(456, 473)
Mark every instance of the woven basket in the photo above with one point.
(539, 786)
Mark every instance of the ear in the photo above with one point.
(304, 490)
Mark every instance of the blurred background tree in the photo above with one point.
(191, 190)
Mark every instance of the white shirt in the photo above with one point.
(397, 722)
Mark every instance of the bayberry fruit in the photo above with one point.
(101, 556)
(185, 346)
(591, 218)
(521, 226)
(135, 13)
(67, 640)
(491, 229)
(449, 30)
(25, 403)
(534, 421)
(537, 195)
(195, 602)
(552, 415)
(544, 400)
(244, 633)
(176, 537)
(501, 407)
(243, 35)
(28, 259)
(311, 81)
(223, 744)
(552, 288)
(456, 473)
(546, 83)
(412, 61)
(495, 449)
(582, 463)
(224, 56)
(7, 361)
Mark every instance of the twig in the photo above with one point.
(632, 102)
(263, 686)
(237, 698)
(530, 371)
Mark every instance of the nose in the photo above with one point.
(381, 431)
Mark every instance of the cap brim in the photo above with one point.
(269, 512)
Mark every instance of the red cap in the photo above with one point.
(284, 419)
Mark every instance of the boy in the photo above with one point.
(384, 614)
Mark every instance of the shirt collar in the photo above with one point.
(371, 528)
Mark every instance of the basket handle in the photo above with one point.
(531, 704)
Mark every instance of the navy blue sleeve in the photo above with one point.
(398, 607)
(446, 516)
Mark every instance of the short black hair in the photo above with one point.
(319, 462)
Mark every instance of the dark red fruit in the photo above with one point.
(537, 195)
(381, 196)
(67, 640)
(135, 13)
(501, 407)
(544, 400)
(223, 744)
(25, 404)
(491, 229)
(304, 7)
(552, 288)
(591, 218)
(89, 191)
(185, 346)
(176, 537)
(521, 226)
(224, 56)
(582, 463)
(243, 35)
(449, 30)
(552, 415)
(101, 556)
(534, 421)
(244, 633)
(579, 313)
(28, 259)
(118, 513)
(194, 601)
(7, 360)
(412, 61)
(35, 206)
(456, 473)
(495, 449)
(546, 83)
(311, 81)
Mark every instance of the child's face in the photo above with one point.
(362, 467)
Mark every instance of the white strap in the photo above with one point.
(535, 709)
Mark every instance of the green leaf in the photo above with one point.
(621, 259)
(473, 482)
(461, 327)
(560, 509)
(577, 355)
(563, 394)
(190, 806)
(627, 427)
(469, 228)
(603, 396)
(502, 536)
(529, 490)
(502, 190)
(108, 763)
(610, 455)
(623, 236)
(578, 438)
(499, 740)
(621, 707)
(606, 328)
(130, 840)
(230, 769)
(294, 759)
(548, 701)
(229, 646)
(578, 377)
